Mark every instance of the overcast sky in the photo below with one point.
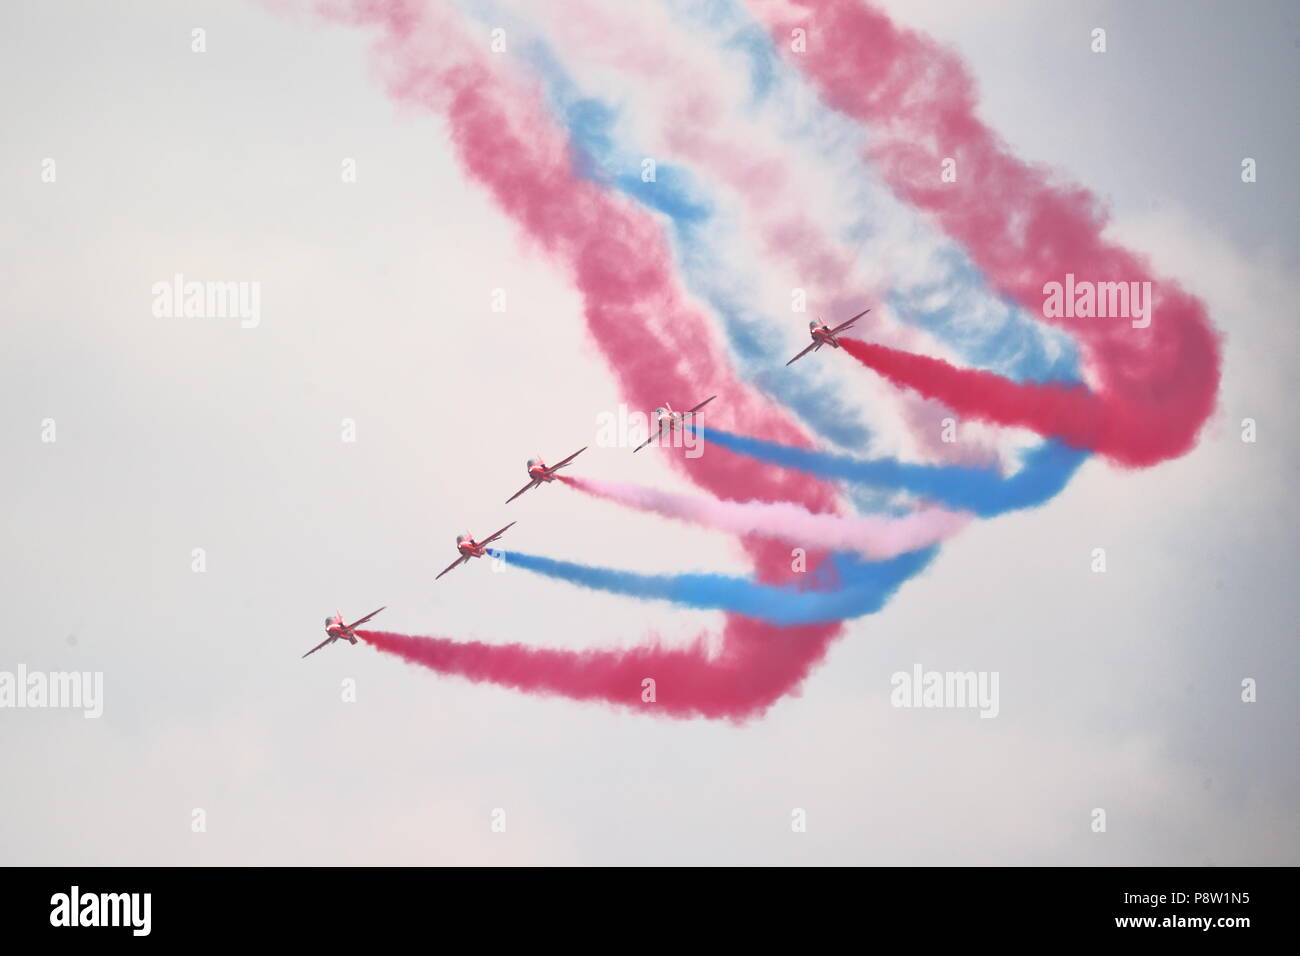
(1119, 691)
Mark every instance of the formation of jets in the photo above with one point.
(539, 473)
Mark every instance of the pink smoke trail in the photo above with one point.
(874, 537)
(658, 346)
(1155, 387)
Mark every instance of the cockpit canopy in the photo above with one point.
(534, 462)
(462, 538)
(329, 620)
(814, 324)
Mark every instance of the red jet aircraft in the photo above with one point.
(336, 629)
(469, 548)
(666, 420)
(538, 472)
(824, 335)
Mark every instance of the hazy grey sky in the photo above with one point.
(1119, 691)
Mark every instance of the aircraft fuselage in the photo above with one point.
(823, 336)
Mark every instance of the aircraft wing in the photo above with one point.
(810, 347)
(318, 646)
(496, 534)
(844, 325)
(559, 465)
(528, 487)
(362, 620)
(658, 432)
(459, 561)
(701, 405)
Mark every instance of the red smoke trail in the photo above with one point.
(1155, 387)
(1069, 412)
(688, 683)
(659, 347)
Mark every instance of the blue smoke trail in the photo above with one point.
(872, 585)
(1045, 470)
